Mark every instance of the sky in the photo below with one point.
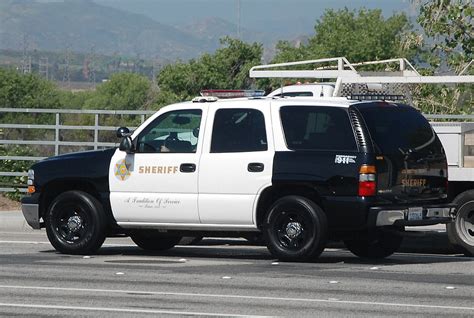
(283, 16)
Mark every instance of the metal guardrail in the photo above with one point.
(450, 117)
(96, 128)
(57, 128)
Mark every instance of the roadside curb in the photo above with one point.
(13, 221)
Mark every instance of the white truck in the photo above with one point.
(458, 143)
(457, 137)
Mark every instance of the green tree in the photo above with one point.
(358, 35)
(448, 26)
(75, 100)
(122, 91)
(26, 91)
(227, 68)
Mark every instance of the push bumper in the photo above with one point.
(30, 209)
(412, 216)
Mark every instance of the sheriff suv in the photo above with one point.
(300, 171)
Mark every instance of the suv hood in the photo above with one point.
(86, 165)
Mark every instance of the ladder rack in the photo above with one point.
(344, 72)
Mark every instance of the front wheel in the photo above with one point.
(75, 223)
(153, 240)
(295, 229)
(461, 231)
(376, 245)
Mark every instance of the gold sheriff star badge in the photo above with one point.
(121, 170)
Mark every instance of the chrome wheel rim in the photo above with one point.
(292, 231)
(71, 224)
(465, 225)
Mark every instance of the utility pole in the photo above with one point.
(66, 73)
(44, 67)
(92, 65)
(25, 67)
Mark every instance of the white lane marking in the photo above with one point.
(308, 300)
(125, 310)
(23, 242)
(46, 242)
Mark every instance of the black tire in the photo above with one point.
(75, 223)
(295, 229)
(190, 240)
(375, 245)
(153, 240)
(461, 231)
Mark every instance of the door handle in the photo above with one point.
(187, 167)
(255, 167)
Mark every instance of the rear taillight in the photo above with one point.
(367, 183)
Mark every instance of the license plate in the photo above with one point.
(415, 214)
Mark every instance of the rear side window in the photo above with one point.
(394, 128)
(317, 128)
(238, 130)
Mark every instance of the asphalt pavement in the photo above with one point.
(225, 278)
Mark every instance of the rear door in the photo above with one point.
(411, 163)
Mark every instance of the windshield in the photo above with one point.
(396, 129)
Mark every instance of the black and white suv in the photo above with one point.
(299, 171)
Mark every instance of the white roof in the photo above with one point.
(301, 101)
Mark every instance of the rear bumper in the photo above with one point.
(411, 215)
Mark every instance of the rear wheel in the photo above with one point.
(461, 231)
(295, 229)
(75, 223)
(377, 244)
(153, 240)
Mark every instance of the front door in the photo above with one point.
(158, 182)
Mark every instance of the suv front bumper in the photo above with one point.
(412, 215)
(30, 209)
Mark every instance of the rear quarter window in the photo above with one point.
(317, 128)
(399, 128)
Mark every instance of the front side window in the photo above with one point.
(238, 130)
(172, 132)
(317, 128)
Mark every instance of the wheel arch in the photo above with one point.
(456, 188)
(54, 188)
(272, 193)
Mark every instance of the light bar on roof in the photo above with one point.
(232, 93)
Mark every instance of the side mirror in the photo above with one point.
(123, 132)
(127, 145)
